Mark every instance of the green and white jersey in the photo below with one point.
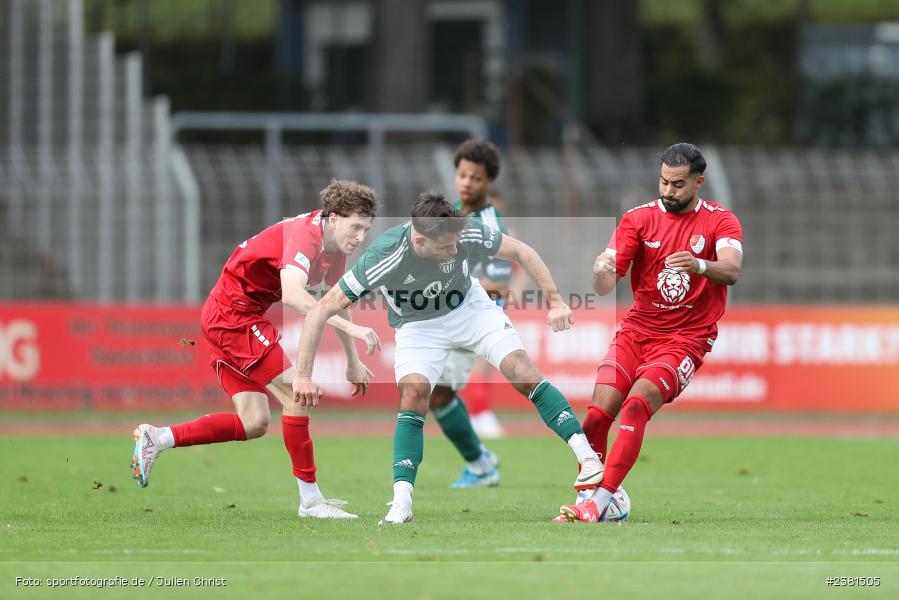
(495, 269)
(417, 289)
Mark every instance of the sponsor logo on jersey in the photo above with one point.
(649, 244)
(665, 383)
(409, 279)
(697, 243)
(626, 427)
(434, 288)
(447, 265)
(491, 237)
(673, 285)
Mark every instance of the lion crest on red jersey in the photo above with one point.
(673, 285)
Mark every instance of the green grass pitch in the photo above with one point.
(742, 517)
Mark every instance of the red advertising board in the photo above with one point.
(121, 357)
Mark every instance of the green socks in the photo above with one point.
(456, 424)
(408, 445)
(555, 410)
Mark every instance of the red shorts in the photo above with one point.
(246, 354)
(668, 362)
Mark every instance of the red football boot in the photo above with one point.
(586, 511)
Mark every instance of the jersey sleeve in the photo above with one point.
(481, 239)
(729, 232)
(299, 253)
(624, 244)
(372, 269)
(496, 269)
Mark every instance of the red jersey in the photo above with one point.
(251, 279)
(666, 301)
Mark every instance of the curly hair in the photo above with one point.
(481, 152)
(348, 197)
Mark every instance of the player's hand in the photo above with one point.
(604, 263)
(359, 375)
(305, 392)
(682, 262)
(560, 317)
(367, 335)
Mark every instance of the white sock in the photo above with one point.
(602, 497)
(309, 492)
(581, 447)
(402, 493)
(480, 465)
(166, 438)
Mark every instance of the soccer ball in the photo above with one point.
(619, 507)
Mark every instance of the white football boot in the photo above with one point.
(147, 448)
(590, 475)
(398, 514)
(326, 509)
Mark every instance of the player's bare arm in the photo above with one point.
(356, 372)
(305, 391)
(724, 271)
(294, 295)
(605, 276)
(559, 316)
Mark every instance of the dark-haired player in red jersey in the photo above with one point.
(275, 265)
(683, 253)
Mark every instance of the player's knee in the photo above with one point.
(415, 397)
(632, 408)
(255, 425)
(523, 376)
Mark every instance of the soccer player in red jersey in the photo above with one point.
(683, 252)
(275, 265)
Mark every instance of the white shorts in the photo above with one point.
(478, 325)
(458, 369)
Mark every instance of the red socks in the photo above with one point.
(227, 427)
(299, 445)
(209, 429)
(635, 413)
(596, 428)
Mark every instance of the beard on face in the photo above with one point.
(676, 205)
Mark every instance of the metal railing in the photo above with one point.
(375, 126)
(82, 155)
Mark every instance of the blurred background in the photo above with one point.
(141, 140)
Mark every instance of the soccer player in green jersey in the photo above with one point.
(422, 268)
(477, 165)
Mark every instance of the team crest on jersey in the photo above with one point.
(697, 243)
(673, 285)
(447, 265)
